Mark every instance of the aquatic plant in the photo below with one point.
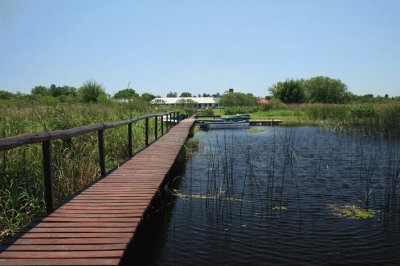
(351, 211)
(191, 147)
(256, 130)
(279, 208)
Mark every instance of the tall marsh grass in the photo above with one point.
(382, 119)
(75, 160)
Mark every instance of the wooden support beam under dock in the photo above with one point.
(97, 226)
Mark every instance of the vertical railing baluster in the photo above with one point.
(169, 120)
(147, 132)
(156, 127)
(130, 144)
(177, 117)
(48, 176)
(102, 160)
(162, 124)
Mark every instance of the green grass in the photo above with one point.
(288, 116)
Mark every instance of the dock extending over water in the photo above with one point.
(97, 226)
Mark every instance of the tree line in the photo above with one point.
(317, 90)
(90, 91)
(172, 94)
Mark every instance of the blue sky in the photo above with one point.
(199, 46)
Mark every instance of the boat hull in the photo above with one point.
(224, 125)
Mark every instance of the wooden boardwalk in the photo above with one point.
(96, 227)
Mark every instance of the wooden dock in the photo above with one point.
(97, 226)
(260, 122)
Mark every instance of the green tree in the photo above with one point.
(40, 91)
(147, 97)
(238, 99)
(126, 94)
(56, 91)
(326, 90)
(5, 95)
(172, 94)
(186, 94)
(289, 91)
(91, 91)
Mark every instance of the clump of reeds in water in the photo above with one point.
(191, 147)
(369, 119)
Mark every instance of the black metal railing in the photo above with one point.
(167, 120)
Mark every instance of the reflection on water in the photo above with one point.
(286, 196)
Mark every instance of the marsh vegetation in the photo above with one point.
(75, 160)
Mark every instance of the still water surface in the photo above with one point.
(285, 195)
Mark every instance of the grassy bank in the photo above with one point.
(369, 118)
(75, 160)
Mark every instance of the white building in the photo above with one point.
(198, 102)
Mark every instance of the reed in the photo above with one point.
(75, 160)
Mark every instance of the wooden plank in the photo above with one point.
(66, 247)
(88, 229)
(64, 261)
(99, 213)
(72, 235)
(133, 213)
(72, 241)
(87, 224)
(78, 219)
(61, 254)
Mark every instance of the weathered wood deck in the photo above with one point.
(263, 122)
(96, 226)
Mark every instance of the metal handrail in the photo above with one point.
(46, 137)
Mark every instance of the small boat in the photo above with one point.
(224, 124)
(236, 117)
(227, 121)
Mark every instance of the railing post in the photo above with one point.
(178, 118)
(130, 145)
(162, 124)
(156, 127)
(169, 121)
(147, 132)
(101, 152)
(48, 176)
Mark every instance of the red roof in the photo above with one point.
(263, 101)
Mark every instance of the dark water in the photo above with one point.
(275, 197)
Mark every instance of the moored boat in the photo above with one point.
(224, 124)
(236, 117)
(227, 121)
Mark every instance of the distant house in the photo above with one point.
(197, 102)
(263, 101)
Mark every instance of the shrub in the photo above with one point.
(274, 104)
(91, 91)
(240, 110)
